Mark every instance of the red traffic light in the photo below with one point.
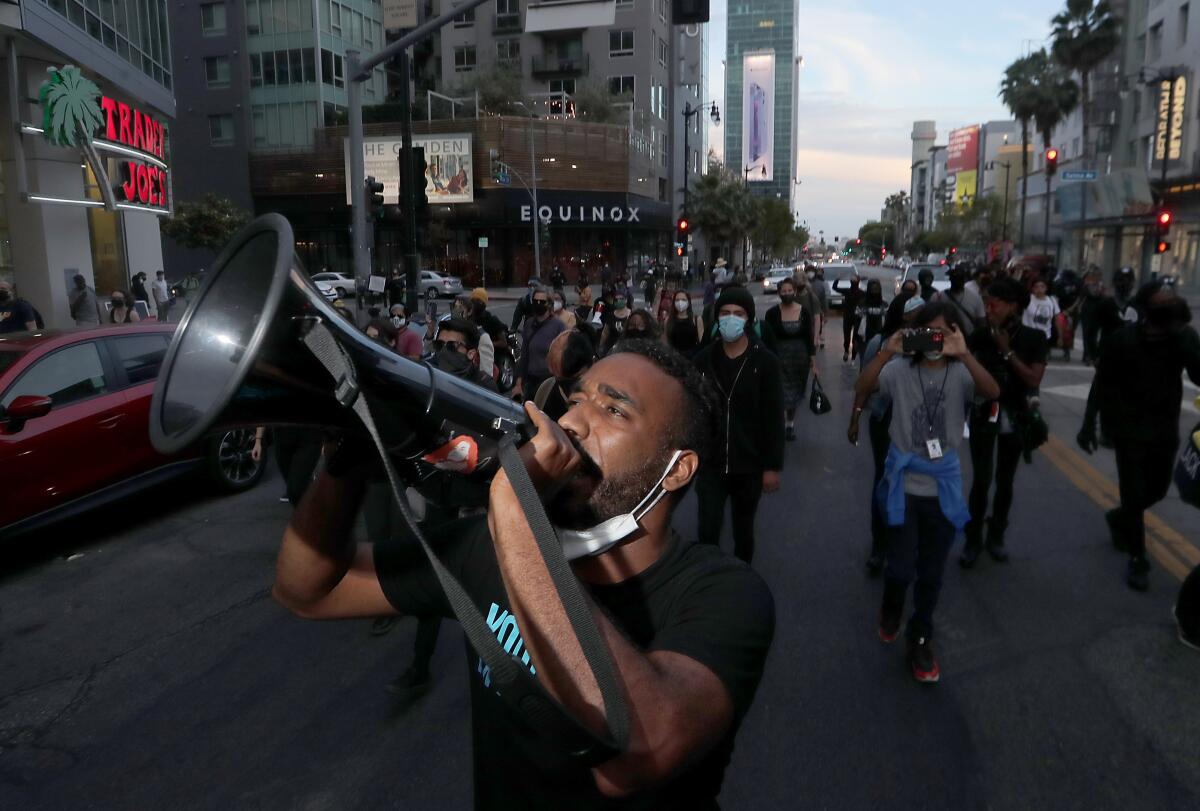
(858, 242)
(1051, 154)
(1162, 246)
(683, 224)
(1164, 219)
(1051, 161)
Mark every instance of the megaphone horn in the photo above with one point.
(239, 359)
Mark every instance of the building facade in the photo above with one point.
(68, 209)
(760, 80)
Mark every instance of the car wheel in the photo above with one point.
(431, 294)
(230, 463)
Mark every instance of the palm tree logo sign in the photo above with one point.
(71, 107)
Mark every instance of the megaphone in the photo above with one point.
(239, 359)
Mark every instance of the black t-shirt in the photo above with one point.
(695, 600)
(1028, 344)
(1139, 383)
(15, 314)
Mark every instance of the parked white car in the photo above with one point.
(342, 283)
(941, 281)
(773, 277)
(840, 272)
(327, 290)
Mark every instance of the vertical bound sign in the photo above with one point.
(1168, 134)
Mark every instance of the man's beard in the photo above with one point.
(611, 496)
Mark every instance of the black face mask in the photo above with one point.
(541, 307)
(634, 334)
(453, 362)
(117, 303)
(1164, 316)
(788, 298)
(5, 295)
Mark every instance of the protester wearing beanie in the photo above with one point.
(749, 449)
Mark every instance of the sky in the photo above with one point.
(872, 68)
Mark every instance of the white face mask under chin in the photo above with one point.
(599, 539)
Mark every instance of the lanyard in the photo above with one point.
(925, 397)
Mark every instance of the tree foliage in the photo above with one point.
(500, 92)
(720, 207)
(594, 103)
(1085, 34)
(206, 223)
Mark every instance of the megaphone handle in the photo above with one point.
(524, 693)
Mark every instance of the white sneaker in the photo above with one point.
(1191, 643)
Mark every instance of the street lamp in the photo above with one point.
(537, 216)
(688, 112)
(991, 167)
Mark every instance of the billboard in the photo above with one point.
(449, 178)
(1168, 131)
(966, 184)
(962, 155)
(758, 116)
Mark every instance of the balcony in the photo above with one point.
(556, 66)
(506, 24)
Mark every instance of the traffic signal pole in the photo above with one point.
(358, 70)
(408, 188)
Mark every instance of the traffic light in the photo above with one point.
(679, 250)
(858, 242)
(689, 12)
(953, 251)
(374, 190)
(682, 230)
(1051, 162)
(1162, 230)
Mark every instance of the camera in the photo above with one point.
(925, 341)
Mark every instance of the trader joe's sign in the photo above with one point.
(77, 114)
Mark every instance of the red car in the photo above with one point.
(74, 415)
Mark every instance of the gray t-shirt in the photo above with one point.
(926, 404)
(966, 303)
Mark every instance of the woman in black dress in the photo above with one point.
(788, 332)
(683, 330)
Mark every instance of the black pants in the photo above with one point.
(917, 550)
(880, 442)
(743, 491)
(297, 451)
(994, 457)
(1144, 476)
(1091, 338)
(849, 337)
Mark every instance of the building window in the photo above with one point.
(1154, 46)
(466, 19)
(212, 19)
(662, 189)
(508, 53)
(464, 58)
(658, 100)
(620, 43)
(1183, 23)
(253, 19)
(622, 85)
(335, 18)
(662, 51)
(662, 148)
(662, 10)
(256, 70)
(624, 5)
(508, 15)
(332, 69)
(216, 71)
(220, 130)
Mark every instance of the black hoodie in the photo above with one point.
(751, 436)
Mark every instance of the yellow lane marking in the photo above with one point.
(1167, 546)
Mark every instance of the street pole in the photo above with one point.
(358, 172)
(1046, 230)
(358, 70)
(537, 216)
(1004, 227)
(408, 187)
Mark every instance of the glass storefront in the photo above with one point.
(107, 240)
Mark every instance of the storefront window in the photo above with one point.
(108, 245)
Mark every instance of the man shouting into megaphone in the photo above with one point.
(688, 627)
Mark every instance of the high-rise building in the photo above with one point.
(68, 209)
(760, 82)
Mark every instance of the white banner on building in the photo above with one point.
(758, 116)
(399, 14)
(449, 176)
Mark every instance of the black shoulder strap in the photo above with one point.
(513, 681)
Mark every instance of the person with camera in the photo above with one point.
(880, 421)
(688, 628)
(929, 385)
(1015, 355)
(1137, 394)
(750, 441)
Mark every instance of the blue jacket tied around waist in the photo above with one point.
(947, 471)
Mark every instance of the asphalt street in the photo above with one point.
(143, 664)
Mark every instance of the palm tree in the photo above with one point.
(1019, 95)
(1085, 34)
(1056, 95)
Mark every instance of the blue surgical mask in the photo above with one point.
(732, 327)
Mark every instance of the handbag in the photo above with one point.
(1187, 469)
(818, 403)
